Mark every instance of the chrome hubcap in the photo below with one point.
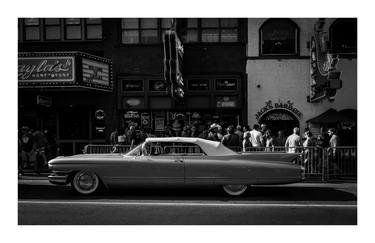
(86, 181)
(235, 188)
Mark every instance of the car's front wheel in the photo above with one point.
(85, 182)
(234, 190)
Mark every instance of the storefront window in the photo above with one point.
(211, 30)
(73, 29)
(226, 102)
(198, 84)
(94, 29)
(226, 84)
(32, 28)
(157, 85)
(343, 33)
(139, 31)
(192, 30)
(132, 85)
(74, 124)
(52, 29)
(279, 37)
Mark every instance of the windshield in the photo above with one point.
(135, 151)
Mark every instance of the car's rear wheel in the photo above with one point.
(85, 182)
(234, 190)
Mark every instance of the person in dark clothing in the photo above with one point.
(27, 148)
(231, 140)
(132, 136)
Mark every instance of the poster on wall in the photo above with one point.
(132, 118)
(145, 119)
(159, 123)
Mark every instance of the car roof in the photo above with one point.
(211, 148)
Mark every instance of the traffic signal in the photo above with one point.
(173, 63)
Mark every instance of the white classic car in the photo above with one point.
(175, 161)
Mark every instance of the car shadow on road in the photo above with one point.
(256, 193)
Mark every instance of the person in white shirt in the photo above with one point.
(256, 136)
(293, 142)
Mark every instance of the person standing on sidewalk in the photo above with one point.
(246, 144)
(231, 139)
(256, 137)
(27, 148)
(212, 134)
(293, 142)
(332, 152)
(307, 144)
(239, 133)
(270, 145)
(263, 130)
(280, 139)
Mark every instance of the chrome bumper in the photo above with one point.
(58, 179)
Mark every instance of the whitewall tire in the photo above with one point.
(234, 190)
(85, 182)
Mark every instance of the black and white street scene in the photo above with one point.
(187, 121)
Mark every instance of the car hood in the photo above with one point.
(82, 157)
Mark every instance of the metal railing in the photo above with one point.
(327, 163)
(105, 149)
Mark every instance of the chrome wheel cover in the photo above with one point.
(234, 190)
(85, 182)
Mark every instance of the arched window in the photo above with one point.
(279, 37)
(343, 33)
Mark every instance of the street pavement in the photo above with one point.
(41, 203)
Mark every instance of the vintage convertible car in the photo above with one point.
(175, 161)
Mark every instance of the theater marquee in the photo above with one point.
(64, 69)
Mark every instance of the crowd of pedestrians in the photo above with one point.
(35, 148)
(239, 138)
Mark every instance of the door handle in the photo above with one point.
(179, 160)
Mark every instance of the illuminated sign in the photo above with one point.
(48, 70)
(95, 73)
(226, 102)
(64, 69)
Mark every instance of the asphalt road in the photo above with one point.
(41, 203)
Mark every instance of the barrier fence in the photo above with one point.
(318, 162)
(105, 149)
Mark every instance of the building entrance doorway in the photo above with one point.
(279, 119)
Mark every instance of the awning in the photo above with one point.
(331, 116)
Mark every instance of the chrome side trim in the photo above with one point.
(58, 179)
